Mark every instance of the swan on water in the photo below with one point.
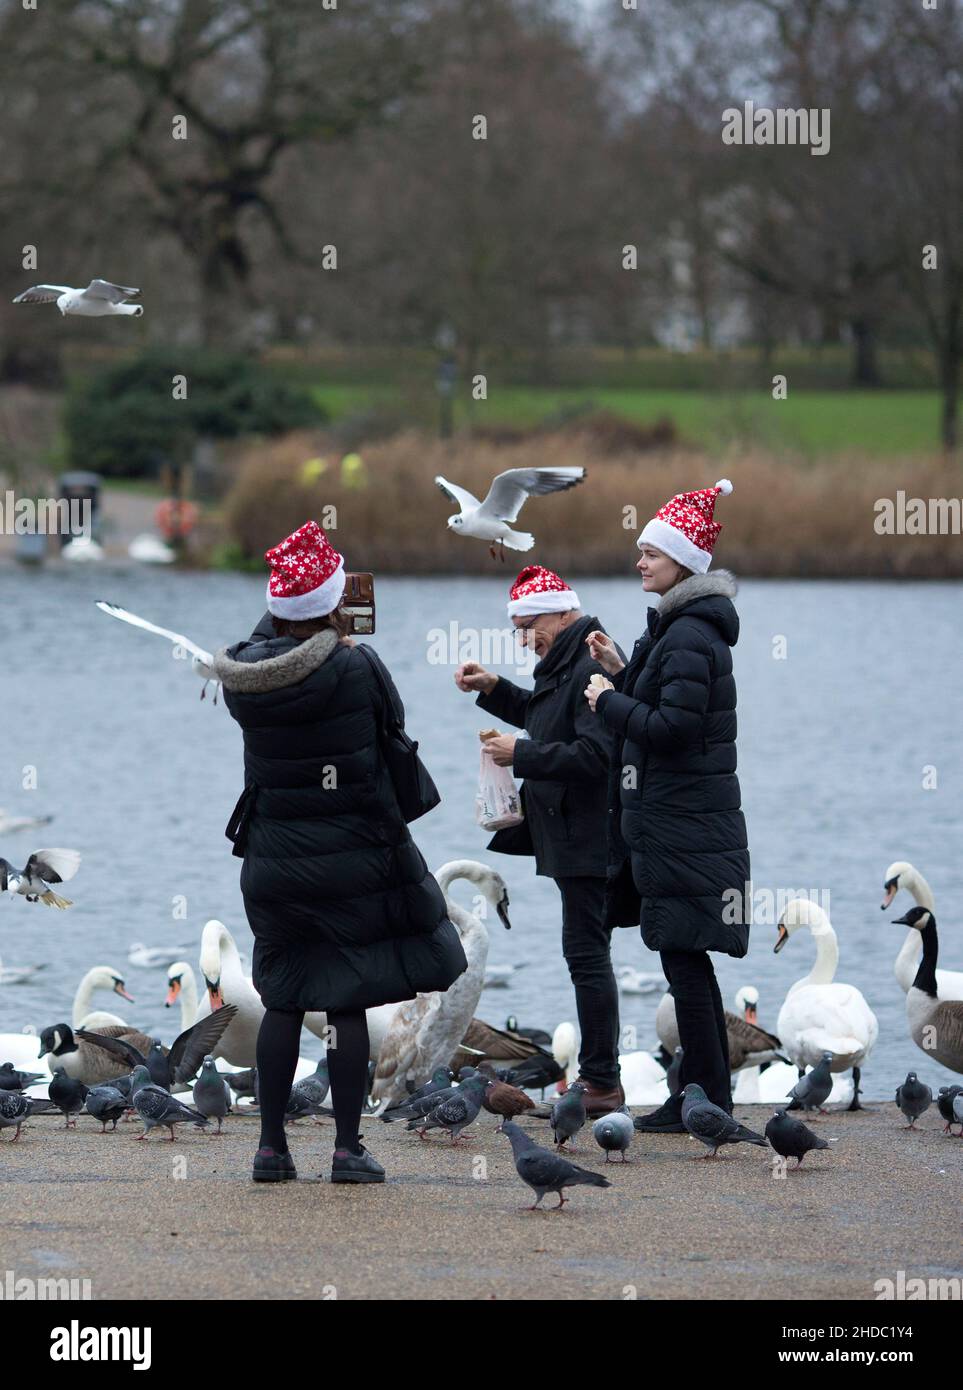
(99, 977)
(820, 1014)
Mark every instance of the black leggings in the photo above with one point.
(278, 1043)
(702, 1023)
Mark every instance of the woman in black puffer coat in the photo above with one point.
(344, 911)
(678, 833)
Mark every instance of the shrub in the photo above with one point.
(124, 421)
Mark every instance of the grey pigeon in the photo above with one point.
(914, 1098)
(613, 1132)
(545, 1171)
(415, 1110)
(15, 1107)
(568, 1114)
(212, 1095)
(155, 1106)
(13, 1080)
(317, 1085)
(308, 1095)
(242, 1083)
(458, 1111)
(106, 1104)
(812, 1090)
(944, 1103)
(68, 1096)
(711, 1125)
(440, 1081)
(791, 1138)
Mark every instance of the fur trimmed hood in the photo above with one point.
(254, 674)
(722, 583)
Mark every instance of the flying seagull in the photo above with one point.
(491, 520)
(45, 866)
(96, 301)
(200, 659)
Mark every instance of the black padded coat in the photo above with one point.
(344, 911)
(674, 781)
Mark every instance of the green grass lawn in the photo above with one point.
(807, 422)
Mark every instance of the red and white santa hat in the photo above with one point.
(684, 529)
(307, 575)
(538, 590)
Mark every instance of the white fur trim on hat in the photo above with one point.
(544, 601)
(675, 544)
(316, 603)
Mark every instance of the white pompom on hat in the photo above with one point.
(307, 575)
(684, 529)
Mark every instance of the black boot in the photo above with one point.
(270, 1166)
(347, 1166)
(666, 1120)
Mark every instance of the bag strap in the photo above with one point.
(388, 718)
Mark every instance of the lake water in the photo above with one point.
(141, 777)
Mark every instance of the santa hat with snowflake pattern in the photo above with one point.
(307, 575)
(684, 529)
(538, 590)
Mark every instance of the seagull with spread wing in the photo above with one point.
(201, 660)
(45, 866)
(491, 520)
(99, 299)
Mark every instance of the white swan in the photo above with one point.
(426, 1032)
(226, 983)
(949, 983)
(182, 989)
(642, 1077)
(819, 1014)
(18, 974)
(632, 981)
(99, 977)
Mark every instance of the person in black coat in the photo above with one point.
(679, 847)
(344, 911)
(564, 763)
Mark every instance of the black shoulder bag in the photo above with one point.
(414, 788)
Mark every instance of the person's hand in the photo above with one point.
(602, 649)
(592, 692)
(472, 679)
(501, 749)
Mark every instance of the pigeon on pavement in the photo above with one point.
(155, 1106)
(13, 1080)
(99, 299)
(914, 1098)
(545, 1171)
(68, 1095)
(212, 1095)
(568, 1114)
(791, 1138)
(106, 1104)
(16, 1106)
(812, 1090)
(711, 1125)
(491, 520)
(458, 1111)
(506, 1101)
(613, 1132)
(944, 1103)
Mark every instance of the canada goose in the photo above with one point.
(92, 1056)
(936, 1025)
(949, 983)
(426, 1031)
(820, 1015)
(168, 1067)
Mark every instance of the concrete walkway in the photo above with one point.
(183, 1220)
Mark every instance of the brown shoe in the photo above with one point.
(599, 1101)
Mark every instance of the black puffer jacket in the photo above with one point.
(564, 761)
(344, 912)
(675, 778)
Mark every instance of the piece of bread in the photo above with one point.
(486, 734)
(598, 680)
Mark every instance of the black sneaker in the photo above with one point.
(350, 1167)
(666, 1120)
(270, 1166)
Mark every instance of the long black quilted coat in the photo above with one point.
(675, 776)
(344, 912)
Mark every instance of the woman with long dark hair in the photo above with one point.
(344, 912)
(681, 854)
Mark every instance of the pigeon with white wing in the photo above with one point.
(491, 520)
(200, 659)
(99, 299)
(45, 866)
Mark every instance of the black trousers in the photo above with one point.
(586, 946)
(702, 1023)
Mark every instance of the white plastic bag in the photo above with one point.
(498, 804)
